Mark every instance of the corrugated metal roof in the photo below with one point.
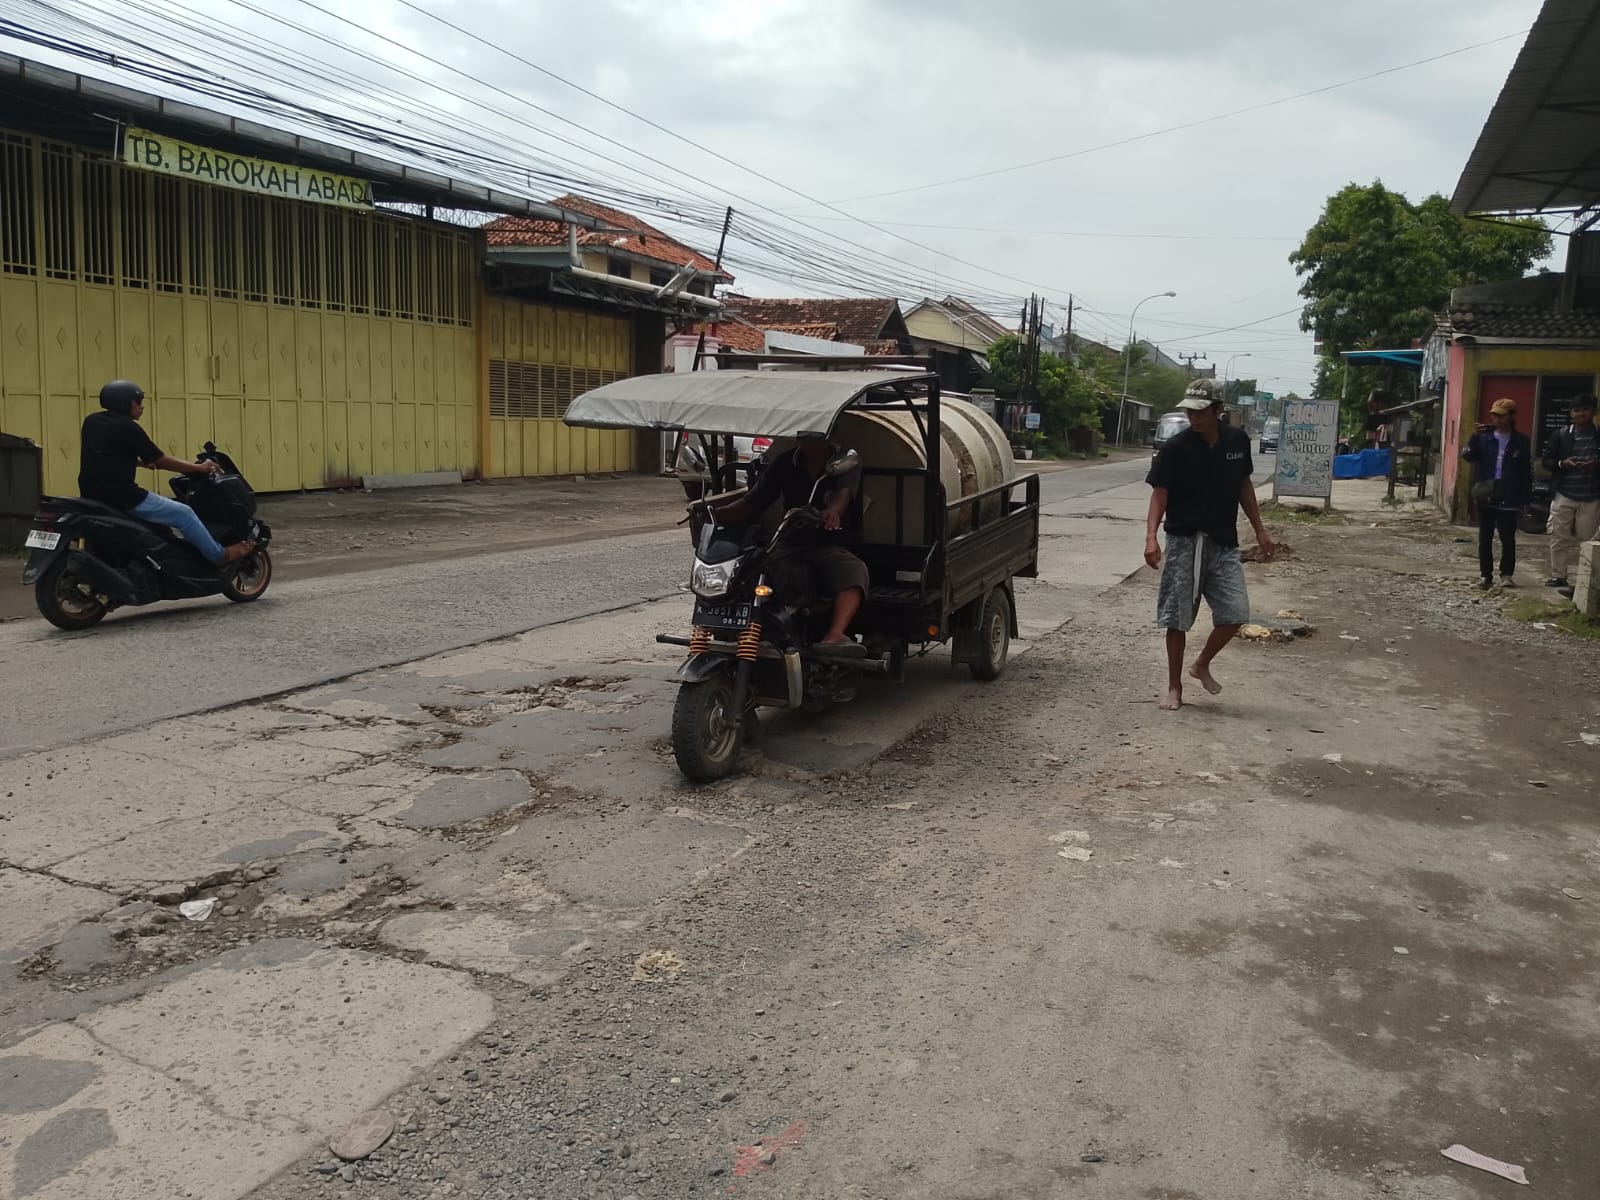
(402, 176)
(1540, 148)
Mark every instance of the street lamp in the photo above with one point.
(1226, 372)
(1127, 366)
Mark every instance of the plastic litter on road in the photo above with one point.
(1471, 1158)
(197, 910)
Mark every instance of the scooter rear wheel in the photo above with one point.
(249, 578)
(63, 602)
(707, 734)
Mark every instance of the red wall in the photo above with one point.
(1520, 388)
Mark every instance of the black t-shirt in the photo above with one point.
(787, 478)
(114, 447)
(1203, 483)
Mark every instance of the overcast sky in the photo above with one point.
(843, 100)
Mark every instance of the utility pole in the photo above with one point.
(1190, 359)
(1071, 353)
(722, 244)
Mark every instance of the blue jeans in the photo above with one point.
(158, 510)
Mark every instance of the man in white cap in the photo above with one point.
(1199, 481)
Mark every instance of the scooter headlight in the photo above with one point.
(711, 581)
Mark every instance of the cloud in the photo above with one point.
(845, 98)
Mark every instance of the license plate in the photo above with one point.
(39, 539)
(722, 616)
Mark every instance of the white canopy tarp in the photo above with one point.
(745, 403)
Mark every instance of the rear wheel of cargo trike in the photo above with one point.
(994, 637)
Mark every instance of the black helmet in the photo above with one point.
(120, 395)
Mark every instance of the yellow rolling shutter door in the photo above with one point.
(540, 358)
(316, 345)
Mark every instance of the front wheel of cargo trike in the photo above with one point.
(706, 731)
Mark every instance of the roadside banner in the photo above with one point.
(1306, 442)
(168, 156)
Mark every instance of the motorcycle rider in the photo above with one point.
(115, 446)
(794, 477)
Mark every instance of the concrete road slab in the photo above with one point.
(191, 848)
(80, 1123)
(360, 791)
(294, 1038)
(56, 805)
(458, 798)
(517, 949)
(36, 910)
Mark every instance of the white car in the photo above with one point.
(691, 464)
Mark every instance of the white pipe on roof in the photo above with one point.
(705, 302)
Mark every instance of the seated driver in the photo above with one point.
(793, 477)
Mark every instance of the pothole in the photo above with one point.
(576, 693)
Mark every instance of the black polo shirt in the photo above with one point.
(113, 449)
(1203, 483)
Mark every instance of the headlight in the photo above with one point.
(710, 580)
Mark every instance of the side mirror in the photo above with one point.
(843, 463)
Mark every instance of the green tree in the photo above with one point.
(1068, 397)
(1375, 267)
(1005, 366)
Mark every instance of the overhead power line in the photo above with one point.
(1195, 124)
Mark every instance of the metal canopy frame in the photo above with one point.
(100, 105)
(1539, 151)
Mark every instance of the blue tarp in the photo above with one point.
(1363, 464)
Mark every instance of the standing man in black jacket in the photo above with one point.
(1572, 456)
(1502, 482)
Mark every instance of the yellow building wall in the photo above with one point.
(539, 359)
(1479, 361)
(934, 326)
(313, 345)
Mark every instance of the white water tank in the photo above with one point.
(974, 456)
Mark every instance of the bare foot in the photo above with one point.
(838, 640)
(237, 551)
(1203, 674)
(1173, 701)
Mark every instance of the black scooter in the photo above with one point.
(89, 558)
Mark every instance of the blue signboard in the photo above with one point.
(1032, 420)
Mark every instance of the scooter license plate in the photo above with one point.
(722, 616)
(41, 539)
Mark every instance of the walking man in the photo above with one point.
(1502, 482)
(1199, 480)
(1572, 456)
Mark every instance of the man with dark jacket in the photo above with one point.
(113, 448)
(1502, 482)
(1572, 456)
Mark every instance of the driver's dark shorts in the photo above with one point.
(837, 569)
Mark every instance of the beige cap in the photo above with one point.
(1503, 408)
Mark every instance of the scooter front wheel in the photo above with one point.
(249, 578)
(64, 600)
(707, 733)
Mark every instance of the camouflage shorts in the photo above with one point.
(1195, 566)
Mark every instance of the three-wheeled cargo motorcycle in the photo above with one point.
(941, 566)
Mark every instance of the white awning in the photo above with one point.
(745, 403)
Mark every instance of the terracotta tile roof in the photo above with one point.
(742, 338)
(1516, 322)
(641, 238)
(857, 321)
(886, 347)
(827, 331)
